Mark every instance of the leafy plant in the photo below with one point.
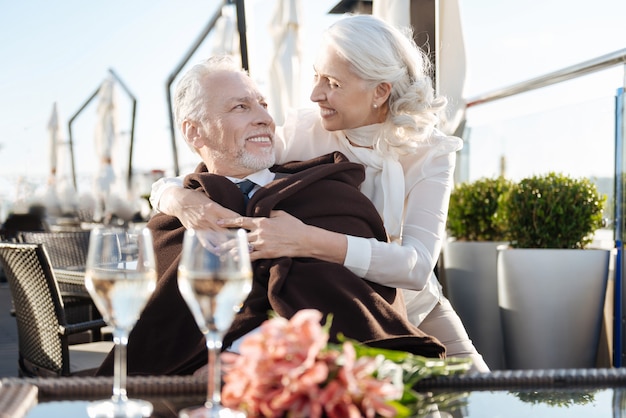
(561, 399)
(551, 211)
(472, 209)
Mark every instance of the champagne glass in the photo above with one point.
(120, 277)
(214, 278)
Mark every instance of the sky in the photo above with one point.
(61, 51)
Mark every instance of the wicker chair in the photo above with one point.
(67, 252)
(43, 330)
(65, 249)
(34, 220)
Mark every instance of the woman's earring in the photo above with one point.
(375, 106)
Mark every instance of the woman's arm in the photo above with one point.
(410, 264)
(283, 235)
(194, 209)
(407, 266)
(159, 187)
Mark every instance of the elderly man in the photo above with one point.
(224, 118)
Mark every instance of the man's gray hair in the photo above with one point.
(189, 96)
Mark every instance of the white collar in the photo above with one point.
(262, 177)
(364, 136)
(384, 173)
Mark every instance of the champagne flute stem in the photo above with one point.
(214, 382)
(120, 338)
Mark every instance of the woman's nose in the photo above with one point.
(317, 94)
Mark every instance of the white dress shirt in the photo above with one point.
(260, 178)
(411, 193)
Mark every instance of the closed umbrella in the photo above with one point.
(54, 132)
(111, 193)
(104, 141)
(395, 12)
(452, 66)
(61, 197)
(105, 134)
(449, 48)
(226, 40)
(51, 197)
(284, 77)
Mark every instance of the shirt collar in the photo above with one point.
(262, 178)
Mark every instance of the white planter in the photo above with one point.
(551, 304)
(472, 287)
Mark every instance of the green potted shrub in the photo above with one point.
(551, 211)
(470, 262)
(557, 399)
(473, 205)
(551, 286)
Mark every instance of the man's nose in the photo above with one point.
(263, 116)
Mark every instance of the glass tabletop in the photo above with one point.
(163, 408)
(501, 394)
(480, 404)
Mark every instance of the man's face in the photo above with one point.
(238, 134)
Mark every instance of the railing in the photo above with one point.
(586, 137)
(71, 121)
(243, 46)
(578, 70)
(515, 144)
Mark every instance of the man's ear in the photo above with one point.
(191, 133)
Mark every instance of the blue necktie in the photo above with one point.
(246, 187)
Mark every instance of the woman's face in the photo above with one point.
(346, 101)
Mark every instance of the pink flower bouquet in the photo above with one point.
(288, 369)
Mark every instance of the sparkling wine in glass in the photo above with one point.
(120, 277)
(214, 278)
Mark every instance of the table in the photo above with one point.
(68, 396)
(510, 394)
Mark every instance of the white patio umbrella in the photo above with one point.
(450, 52)
(226, 40)
(54, 131)
(111, 193)
(284, 74)
(50, 195)
(396, 12)
(451, 70)
(59, 195)
(104, 141)
(105, 134)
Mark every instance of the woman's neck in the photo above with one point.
(363, 136)
(359, 146)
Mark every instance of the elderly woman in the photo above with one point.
(377, 107)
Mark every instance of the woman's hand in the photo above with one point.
(276, 236)
(193, 208)
(283, 235)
